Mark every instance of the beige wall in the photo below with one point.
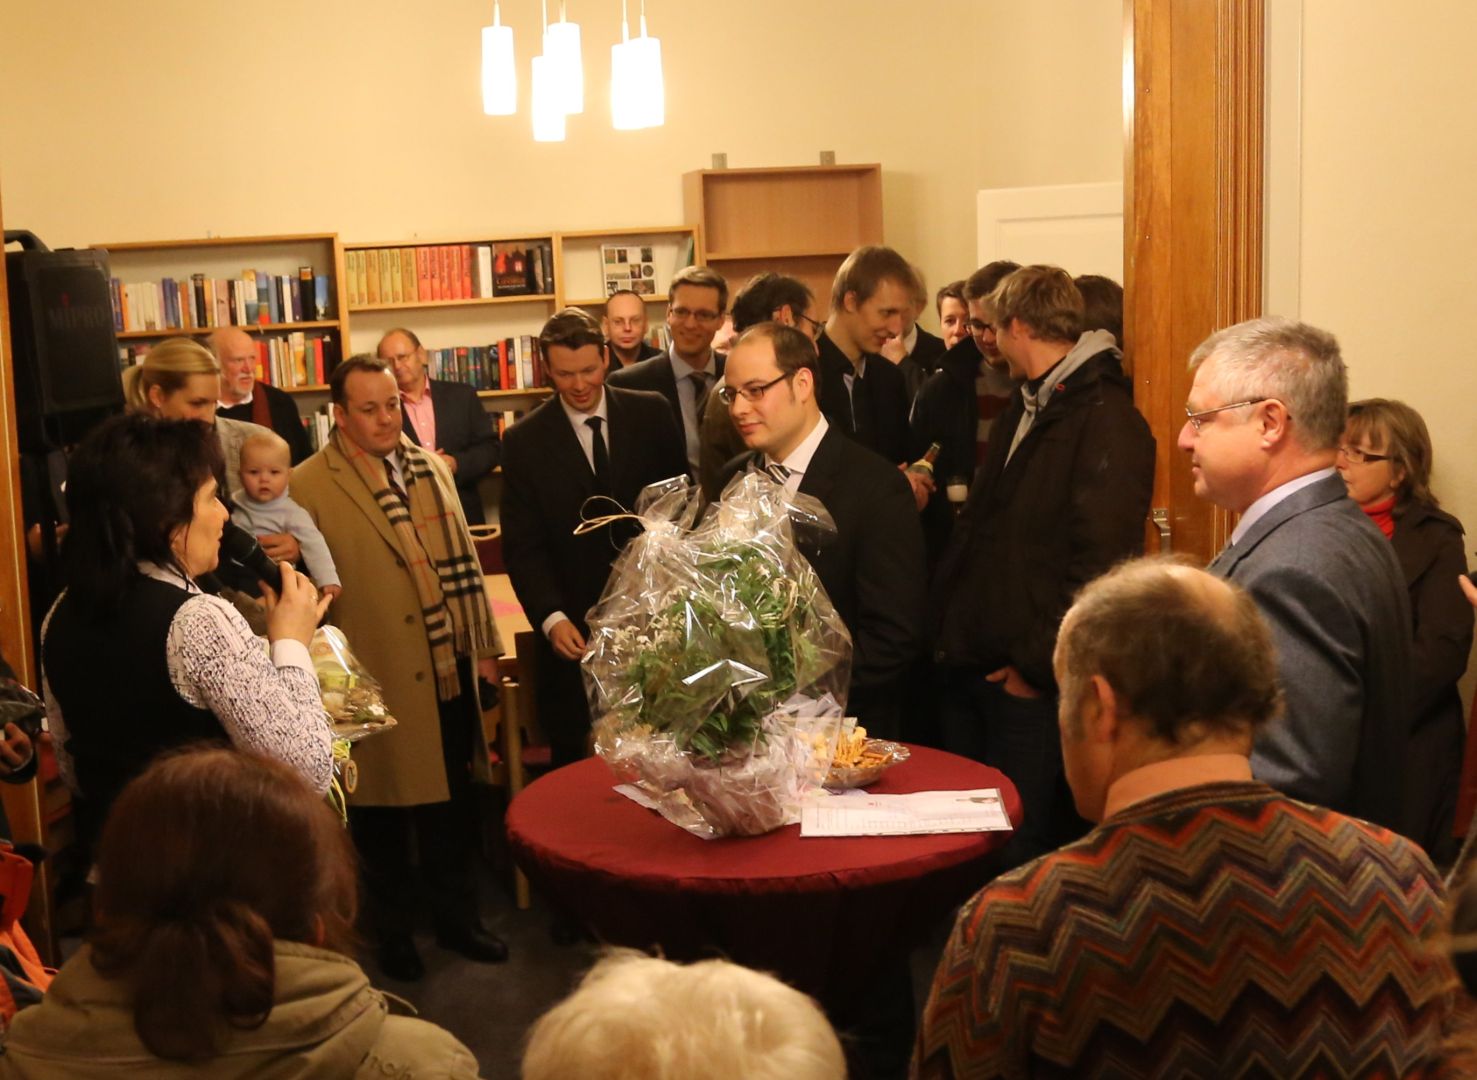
(1389, 222)
(1388, 232)
(175, 118)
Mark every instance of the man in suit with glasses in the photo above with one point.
(1264, 419)
(686, 372)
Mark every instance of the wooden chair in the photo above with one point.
(519, 744)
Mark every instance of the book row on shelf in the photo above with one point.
(291, 361)
(510, 364)
(413, 275)
(200, 302)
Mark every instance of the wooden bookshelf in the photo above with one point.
(581, 281)
(223, 257)
(369, 295)
(801, 220)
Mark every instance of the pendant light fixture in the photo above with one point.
(499, 72)
(548, 114)
(562, 46)
(637, 94)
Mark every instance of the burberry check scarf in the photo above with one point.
(438, 553)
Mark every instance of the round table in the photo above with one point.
(824, 913)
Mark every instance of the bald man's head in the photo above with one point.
(236, 353)
(1188, 654)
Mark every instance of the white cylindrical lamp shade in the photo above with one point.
(499, 74)
(562, 46)
(651, 96)
(625, 113)
(548, 115)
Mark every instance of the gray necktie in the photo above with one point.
(699, 390)
(778, 473)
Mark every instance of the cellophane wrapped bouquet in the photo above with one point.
(717, 667)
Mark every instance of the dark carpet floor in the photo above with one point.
(490, 1007)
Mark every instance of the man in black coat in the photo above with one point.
(873, 568)
(861, 393)
(959, 402)
(244, 398)
(589, 440)
(1061, 497)
(685, 374)
(624, 326)
(445, 417)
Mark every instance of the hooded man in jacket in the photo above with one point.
(1061, 497)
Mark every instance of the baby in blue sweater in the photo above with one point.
(265, 507)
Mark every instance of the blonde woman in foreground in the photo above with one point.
(636, 1017)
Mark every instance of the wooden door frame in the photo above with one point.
(1193, 110)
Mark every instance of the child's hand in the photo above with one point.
(331, 591)
(280, 547)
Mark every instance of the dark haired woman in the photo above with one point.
(224, 907)
(135, 658)
(1385, 459)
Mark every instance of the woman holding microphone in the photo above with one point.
(135, 658)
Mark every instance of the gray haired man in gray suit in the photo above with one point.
(1265, 415)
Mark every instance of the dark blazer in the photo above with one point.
(546, 480)
(872, 570)
(880, 420)
(1331, 589)
(1070, 503)
(928, 351)
(1428, 546)
(946, 411)
(285, 419)
(465, 431)
(657, 375)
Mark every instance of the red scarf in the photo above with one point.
(1383, 515)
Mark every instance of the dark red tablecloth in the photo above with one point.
(820, 912)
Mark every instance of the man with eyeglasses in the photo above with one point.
(1061, 496)
(624, 325)
(958, 402)
(873, 568)
(589, 440)
(686, 373)
(1263, 422)
(766, 297)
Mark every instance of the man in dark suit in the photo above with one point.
(624, 325)
(1266, 412)
(244, 398)
(873, 568)
(590, 440)
(685, 374)
(444, 417)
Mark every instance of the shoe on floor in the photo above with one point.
(400, 960)
(473, 942)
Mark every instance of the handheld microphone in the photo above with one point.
(241, 548)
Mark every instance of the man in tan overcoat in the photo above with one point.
(416, 615)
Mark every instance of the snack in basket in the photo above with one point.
(860, 761)
(351, 696)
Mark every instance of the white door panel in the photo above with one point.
(1078, 227)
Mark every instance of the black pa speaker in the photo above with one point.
(61, 336)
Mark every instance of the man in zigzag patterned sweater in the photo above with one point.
(1209, 926)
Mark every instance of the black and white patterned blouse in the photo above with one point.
(268, 705)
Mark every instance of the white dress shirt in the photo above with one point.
(799, 459)
(1259, 508)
